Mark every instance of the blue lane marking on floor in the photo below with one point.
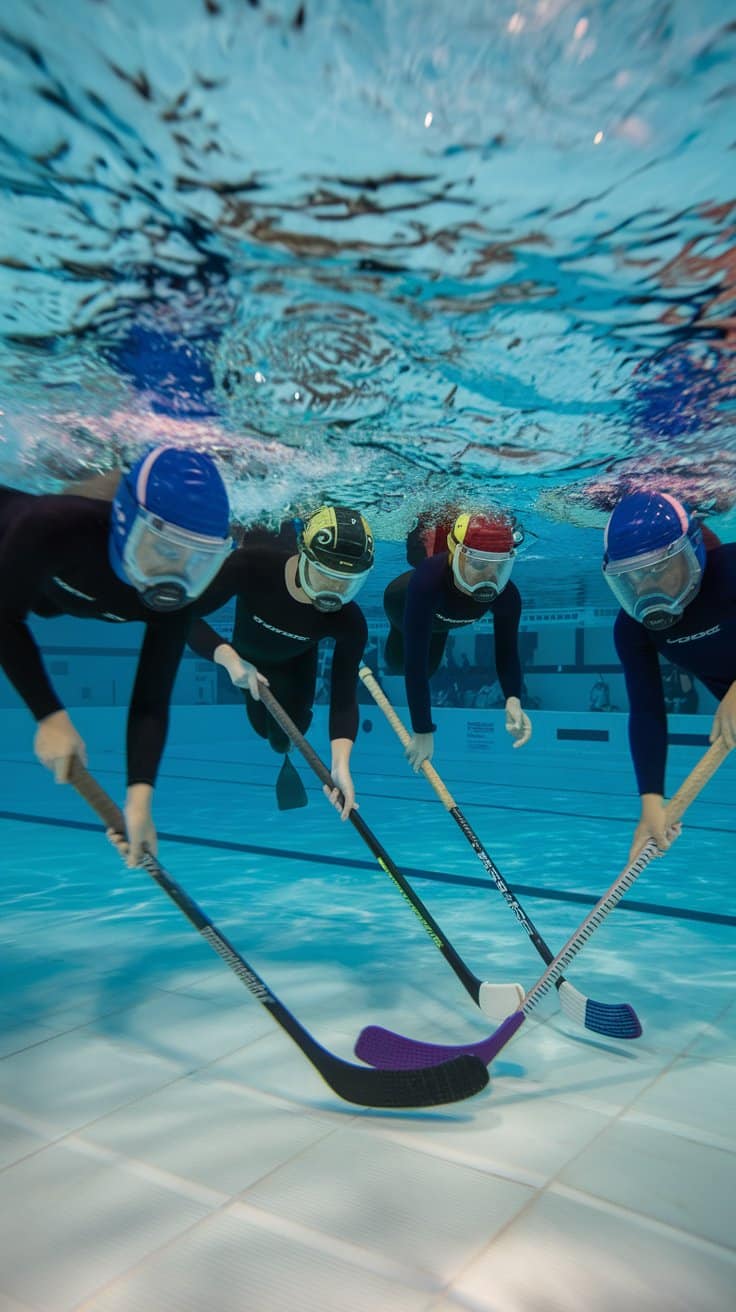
(438, 876)
(451, 780)
(539, 810)
(316, 790)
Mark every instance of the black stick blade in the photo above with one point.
(431, 1086)
(425, 1086)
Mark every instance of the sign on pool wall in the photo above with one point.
(480, 735)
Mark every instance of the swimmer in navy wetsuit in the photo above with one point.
(143, 557)
(680, 601)
(172, 371)
(287, 603)
(446, 591)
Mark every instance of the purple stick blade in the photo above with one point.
(389, 1051)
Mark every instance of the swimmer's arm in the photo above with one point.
(148, 714)
(205, 641)
(351, 636)
(99, 487)
(506, 617)
(25, 549)
(342, 778)
(647, 710)
(422, 598)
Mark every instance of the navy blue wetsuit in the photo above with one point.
(173, 371)
(423, 606)
(703, 642)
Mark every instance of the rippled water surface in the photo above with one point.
(396, 252)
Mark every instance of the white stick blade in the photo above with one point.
(499, 1000)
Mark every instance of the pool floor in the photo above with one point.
(164, 1146)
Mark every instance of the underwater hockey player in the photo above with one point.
(450, 590)
(143, 557)
(677, 599)
(287, 603)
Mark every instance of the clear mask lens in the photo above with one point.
(654, 589)
(168, 565)
(327, 589)
(482, 573)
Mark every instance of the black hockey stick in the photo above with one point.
(448, 1082)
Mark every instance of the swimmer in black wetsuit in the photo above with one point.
(446, 591)
(287, 602)
(677, 598)
(144, 557)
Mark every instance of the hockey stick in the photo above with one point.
(618, 1019)
(449, 1082)
(379, 1046)
(493, 999)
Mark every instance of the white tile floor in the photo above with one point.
(164, 1148)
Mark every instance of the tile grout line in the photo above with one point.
(554, 1185)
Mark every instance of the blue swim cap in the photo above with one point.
(654, 556)
(171, 488)
(645, 522)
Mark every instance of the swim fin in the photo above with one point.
(290, 791)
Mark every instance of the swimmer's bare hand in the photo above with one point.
(140, 836)
(419, 750)
(57, 743)
(242, 673)
(652, 824)
(518, 723)
(342, 798)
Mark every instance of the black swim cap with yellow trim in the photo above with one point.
(339, 539)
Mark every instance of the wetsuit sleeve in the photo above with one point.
(350, 641)
(647, 711)
(204, 640)
(148, 715)
(422, 596)
(234, 579)
(24, 553)
(506, 634)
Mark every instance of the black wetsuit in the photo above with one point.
(423, 606)
(54, 561)
(703, 642)
(280, 636)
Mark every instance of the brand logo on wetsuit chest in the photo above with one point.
(693, 637)
(298, 637)
(67, 587)
(453, 619)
